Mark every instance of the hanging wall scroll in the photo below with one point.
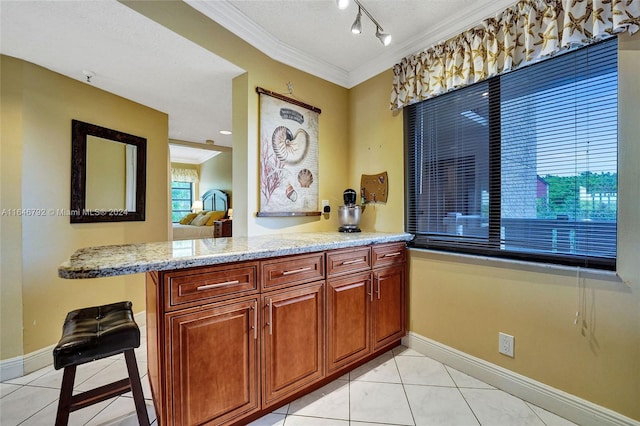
(288, 156)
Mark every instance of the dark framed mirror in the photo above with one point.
(108, 174)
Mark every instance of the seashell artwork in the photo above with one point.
(286, 145)
(305, 178)
(291, 193)
(289, 173)
(281, 141)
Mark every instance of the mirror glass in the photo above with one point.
(107, 175)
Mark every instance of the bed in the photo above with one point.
(214, 200)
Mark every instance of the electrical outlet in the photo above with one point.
(505, 344)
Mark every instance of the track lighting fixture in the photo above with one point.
(384, 38)
(356, 28)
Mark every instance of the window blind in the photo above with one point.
(522, 165)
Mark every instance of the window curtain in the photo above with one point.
(184, 175)
(527, 32)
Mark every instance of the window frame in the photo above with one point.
(191, 198)
(491, 246)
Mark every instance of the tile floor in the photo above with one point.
(401, 387)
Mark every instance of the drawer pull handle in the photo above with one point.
(352, 262)
(210, 286)
(297, 271)
(392, 254)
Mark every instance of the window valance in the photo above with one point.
(184, 175)
(527, 32)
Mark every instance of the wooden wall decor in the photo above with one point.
(374, 188)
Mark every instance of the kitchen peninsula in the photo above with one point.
(237, 327)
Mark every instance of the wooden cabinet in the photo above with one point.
(293, 337)
(213, 373)
(388, 311)
(365, 310)
(388, 315)
(228, 343)
(203, 340)
(196, 286)
(348, 319)
(287, 271)
(222, 228)
(340, 262)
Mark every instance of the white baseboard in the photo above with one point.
(25, 364)
(571, 407)
(11, 368)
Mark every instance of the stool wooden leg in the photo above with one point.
(136, 387)
(66, 392)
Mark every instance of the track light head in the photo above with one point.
(342, 4)
(356, 28)
(384, 38)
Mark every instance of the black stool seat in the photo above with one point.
(97, 332)
(94, 333)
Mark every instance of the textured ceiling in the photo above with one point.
(315, 36)
(130, 55)
(140, 60)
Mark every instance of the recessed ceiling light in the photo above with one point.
(225, 132)
(342, 4)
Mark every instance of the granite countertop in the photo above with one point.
(107, 261)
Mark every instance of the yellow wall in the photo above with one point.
(11, 197)
(464, 302)
(37, 108)
(334, 159)
(376, 146)
(216, 173)
(460, 302)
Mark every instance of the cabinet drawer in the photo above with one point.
(389, 254)
(277, 273)
(348, 260)
(204, 285)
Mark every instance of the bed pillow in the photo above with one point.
(216, 216)
(188, 218)
(201, 219)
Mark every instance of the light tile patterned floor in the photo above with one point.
(401, 387)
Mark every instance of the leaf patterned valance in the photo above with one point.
(184, 175)
(524, 33)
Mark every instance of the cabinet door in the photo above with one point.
(388, 310)
(214, 360)
(293, 336)
(348, 305)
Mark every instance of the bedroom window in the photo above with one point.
(181, 199)
(523, 165)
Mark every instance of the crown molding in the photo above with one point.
(238, 23)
